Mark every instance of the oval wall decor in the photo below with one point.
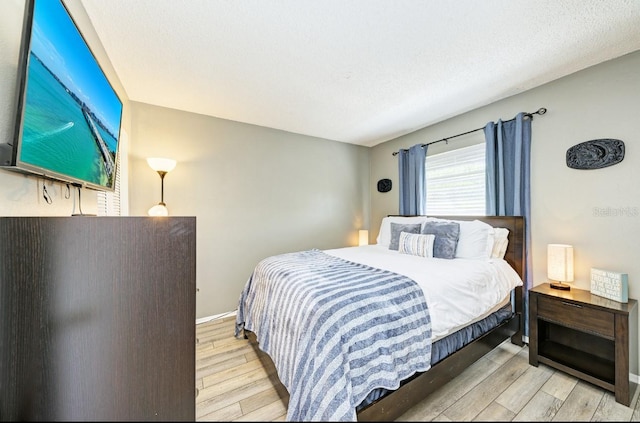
(384, 185)
(595, 154)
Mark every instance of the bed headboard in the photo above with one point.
(515, 256)
(515, 249)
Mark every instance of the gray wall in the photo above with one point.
(597, 211)
(255, 192)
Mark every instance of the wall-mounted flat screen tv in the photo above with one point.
(68, 114)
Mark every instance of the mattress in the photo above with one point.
(457, 291)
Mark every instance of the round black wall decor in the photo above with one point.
(595, 154)
(384, 185)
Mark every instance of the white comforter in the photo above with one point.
(457, 291)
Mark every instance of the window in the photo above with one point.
(109, 202)
(456, 182)
(115, 203)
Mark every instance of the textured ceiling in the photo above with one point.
(355, 71)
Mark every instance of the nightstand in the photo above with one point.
(587, 336)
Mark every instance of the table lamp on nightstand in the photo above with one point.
(560, 265)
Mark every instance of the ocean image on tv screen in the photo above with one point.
(72, 116)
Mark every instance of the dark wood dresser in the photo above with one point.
(587, 336)
(97, 318)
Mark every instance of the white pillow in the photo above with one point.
(476, 240)
(416, 244)
(384, 235)
(500, 242)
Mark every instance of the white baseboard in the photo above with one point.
(216, 316)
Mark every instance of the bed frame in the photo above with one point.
(415, 389)
(411, 392)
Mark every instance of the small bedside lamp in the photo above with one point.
(560, 265)
(162, 166)
(363, 237)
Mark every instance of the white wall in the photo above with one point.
(255, 192)
(22, 195)
(597, 211)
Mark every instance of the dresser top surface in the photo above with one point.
(586, 297)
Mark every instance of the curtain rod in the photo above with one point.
(541, 111)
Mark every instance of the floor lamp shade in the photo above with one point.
(560, 264)
(162, 166)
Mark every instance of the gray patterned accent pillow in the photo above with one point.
(447, 235)
(396, 228)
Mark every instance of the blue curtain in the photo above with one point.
(508, 156)
(413, 189)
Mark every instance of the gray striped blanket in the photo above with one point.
(336, 330)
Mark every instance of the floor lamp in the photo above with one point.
(162, 166)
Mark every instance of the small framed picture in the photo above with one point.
(609, 284)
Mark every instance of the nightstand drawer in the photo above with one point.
(577, 316)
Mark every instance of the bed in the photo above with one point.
(364, 333)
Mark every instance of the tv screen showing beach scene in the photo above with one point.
(71, 115)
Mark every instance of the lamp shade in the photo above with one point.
(158, 210)
(160, 164)
(560, 262)
(363, 237)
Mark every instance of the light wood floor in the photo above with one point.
(233, 385)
